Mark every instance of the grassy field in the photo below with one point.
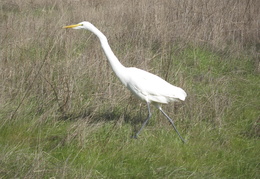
(64, 114)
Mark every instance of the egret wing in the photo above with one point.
(153, 87)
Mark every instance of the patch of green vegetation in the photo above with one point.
(109, 152)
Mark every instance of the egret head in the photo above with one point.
(81, 25)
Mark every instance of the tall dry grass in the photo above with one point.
(43, 61)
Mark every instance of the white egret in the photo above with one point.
(145, 85)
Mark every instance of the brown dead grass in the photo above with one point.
(41, 61)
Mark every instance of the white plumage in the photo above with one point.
(145, 85)
(152, 88)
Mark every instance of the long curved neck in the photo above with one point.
(117, 67)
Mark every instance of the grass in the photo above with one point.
(64, 114)
(108, 151)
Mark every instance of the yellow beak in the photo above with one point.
(71, 26)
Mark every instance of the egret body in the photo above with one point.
(146, 86)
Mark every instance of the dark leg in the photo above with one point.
(171, 121)
(148, 118)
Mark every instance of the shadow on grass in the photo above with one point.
(114, 116)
